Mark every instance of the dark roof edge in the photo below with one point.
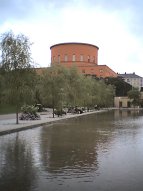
(132, 75)
(80, 43)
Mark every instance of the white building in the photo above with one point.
(133, 79)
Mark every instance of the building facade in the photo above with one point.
(133, 79)
(84, 56)
(122, 102)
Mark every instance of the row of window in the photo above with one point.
(82, 58)
(101, 70)
(133, 80)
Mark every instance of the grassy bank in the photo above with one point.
(6, 109)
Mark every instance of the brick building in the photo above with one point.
(83, 55)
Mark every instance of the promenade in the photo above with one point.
(8, 122)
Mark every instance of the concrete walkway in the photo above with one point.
(8, 122)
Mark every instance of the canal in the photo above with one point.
(102, 152)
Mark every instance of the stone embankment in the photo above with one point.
(8, 122)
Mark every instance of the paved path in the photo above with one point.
(8, 122)
(7, 116)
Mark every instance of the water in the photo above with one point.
(102, 152)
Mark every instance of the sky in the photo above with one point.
(112, 25)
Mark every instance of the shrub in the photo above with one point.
(59, 112)
(29, 112)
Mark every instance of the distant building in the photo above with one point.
(122, 102)
(133, 79)
(82, 55)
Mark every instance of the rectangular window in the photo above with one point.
(81, 58)
(93, 59)
(66, 57)
(58, 58)
(73, 57)
(88, 58)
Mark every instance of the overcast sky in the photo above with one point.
(114, 26)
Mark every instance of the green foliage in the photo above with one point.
(15, 51)
(134, 94)
(19, 86)
(67, 87)
(103, 94)
(1, 88)
(37, 90)
(29, 112)
(53, 86)
(57, 87)
(6, 109)
(29, 109)
(87, 84)
(16, 70)
(121, 87)
(75, 87)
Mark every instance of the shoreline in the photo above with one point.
(8, 126)
(8, 122)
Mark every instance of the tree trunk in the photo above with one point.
(53, 113)
(17, 121)
(53, 108)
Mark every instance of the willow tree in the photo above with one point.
(1, 87)
(103, 94)
(75, 90)
(53, 87)
(16, 64)
(87, 83)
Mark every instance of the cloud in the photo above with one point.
(50, 22)
(13, 9)
(24, 9)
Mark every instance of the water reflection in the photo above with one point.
(97, 152)
(68, 148)
(74, 145)
(16, 165)
(123, 113)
